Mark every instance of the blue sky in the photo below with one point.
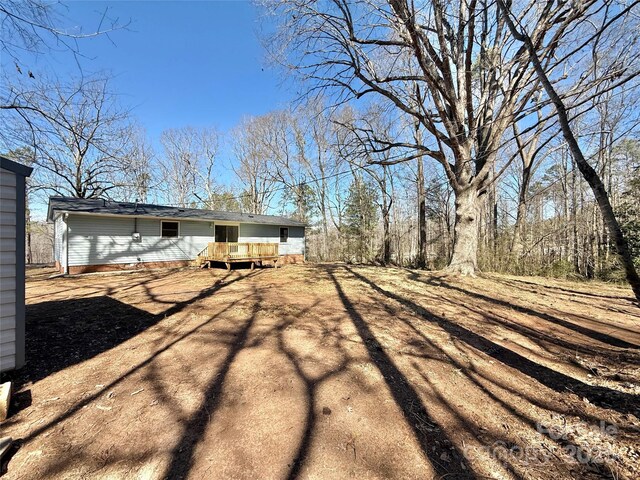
(195, 63)
(177, 63)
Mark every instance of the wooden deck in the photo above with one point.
(230, 252)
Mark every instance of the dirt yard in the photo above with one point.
(325, 372)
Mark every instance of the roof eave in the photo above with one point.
(15, 167)
(52, 212)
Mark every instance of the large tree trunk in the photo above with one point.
(464, 259)
(494, 226)
(386, 244)
(519, 235)
(586, 170)
(422, 217)
(574, 220)
(598, 189)
(325, 223)
(527, 157)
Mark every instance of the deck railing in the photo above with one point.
(225, 251)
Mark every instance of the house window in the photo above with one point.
(284, 234)
(170, 229)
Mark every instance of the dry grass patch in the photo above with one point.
(325, 371)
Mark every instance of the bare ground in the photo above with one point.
(325, 372)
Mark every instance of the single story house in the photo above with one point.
(12, 258)
(93, 235)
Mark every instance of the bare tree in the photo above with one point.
(421, 260)
(208, 140)
(36, 26)
(320, 162)
(528, 150)
(31, 28)
(253, 168)
(139, 172)
(317, 166)
(79, 134)
(187, 166)
(283, 140)
(454, 67)
(625, 70)
(375, 162)
(455, 58)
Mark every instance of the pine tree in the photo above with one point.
(360, 219)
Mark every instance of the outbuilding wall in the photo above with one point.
(12, 187)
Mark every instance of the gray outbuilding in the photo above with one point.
(12, 259)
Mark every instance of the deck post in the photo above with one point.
(228, 264)
(253, 265)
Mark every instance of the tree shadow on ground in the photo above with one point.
(405, 395)
(432, 440)
(150, 320)
(256, 318)
(62, 333)
(195, 425)
(182, 455)
(591, 303)
(571, 292)
(600, 396)
(595, 335)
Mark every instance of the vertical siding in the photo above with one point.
(271, 234)
(99, 240)
(59, 244)
(8, 258)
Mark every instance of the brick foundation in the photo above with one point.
(114, 267)
(287, 259)
(75, 269)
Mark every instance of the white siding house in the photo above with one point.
(12, 259)
(95, 240)
(255, 233)
(92, 235)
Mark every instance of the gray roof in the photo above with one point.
(15, 167)
(110, 207)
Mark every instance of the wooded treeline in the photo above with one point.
(429, 136)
